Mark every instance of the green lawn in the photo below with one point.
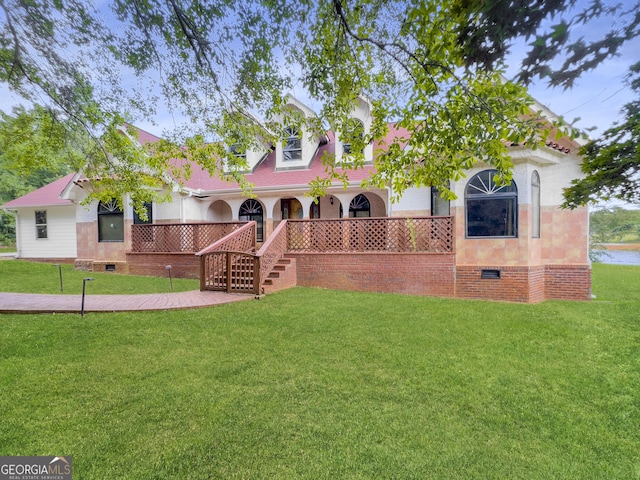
(318, 384)
(33, 277)
(7, 249)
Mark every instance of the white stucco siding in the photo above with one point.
(87, 213)
(555, 178)
(168, 211)
(414, 201)
(61, 233)
(193, 210)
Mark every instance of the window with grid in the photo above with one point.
(292, 149)
(354, 134)
(41, 224)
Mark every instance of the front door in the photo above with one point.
(291, 209)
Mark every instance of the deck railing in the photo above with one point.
(415, 234)
(178, 237)
(272, 251)
(230, 264)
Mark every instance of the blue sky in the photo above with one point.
(596, 98)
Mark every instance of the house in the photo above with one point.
(510, 243)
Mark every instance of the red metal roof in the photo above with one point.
(49, 195)
(265, 175)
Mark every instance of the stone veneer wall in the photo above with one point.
(89, 248)
(564, 236)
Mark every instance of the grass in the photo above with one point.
(33, 277)
(310, 383)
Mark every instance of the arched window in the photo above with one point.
(110, 222)
(355, 132)
(252, 210)
(535, 204)
(292, 149)
(491, 209)
(359, 207)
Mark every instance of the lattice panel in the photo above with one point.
(214, 268)
(229, 272)
(421, 234)
(241, 277)
(243, 241)
(441, 235)
(179, 237)
(366, 235)
(272, 251)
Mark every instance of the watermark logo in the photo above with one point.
(35, 468)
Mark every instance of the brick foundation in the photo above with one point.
(48, 260)
(512, 286)
(525, 284)
(410, 273)
(404, 273)
(183, 265)
(567, 282)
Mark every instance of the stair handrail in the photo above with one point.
(272, 250)
(230, 241)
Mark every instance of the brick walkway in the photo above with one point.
(32, 303)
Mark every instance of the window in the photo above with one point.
(238, 151)
(41, 224)
(293, 144)
(314, 210)
(251, 210)
(439, 206)
(491, 209)
(359, 207)
(110, 222)
(535, 205)
(355, 131)
(139, 221)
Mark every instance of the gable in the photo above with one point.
(49, 195)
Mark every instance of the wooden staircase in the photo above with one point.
(282, 276)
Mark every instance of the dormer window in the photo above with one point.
(355, 131)
(238, 151)
(293, 144)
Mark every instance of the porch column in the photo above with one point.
(269, 203)
(306, 205)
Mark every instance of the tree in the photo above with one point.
(612, 163)
(614, 225)
(33, 153)
(433, 66)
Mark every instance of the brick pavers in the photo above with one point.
(33, 303)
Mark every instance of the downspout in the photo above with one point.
(18, 235)
(389, 202)
(181, 208)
